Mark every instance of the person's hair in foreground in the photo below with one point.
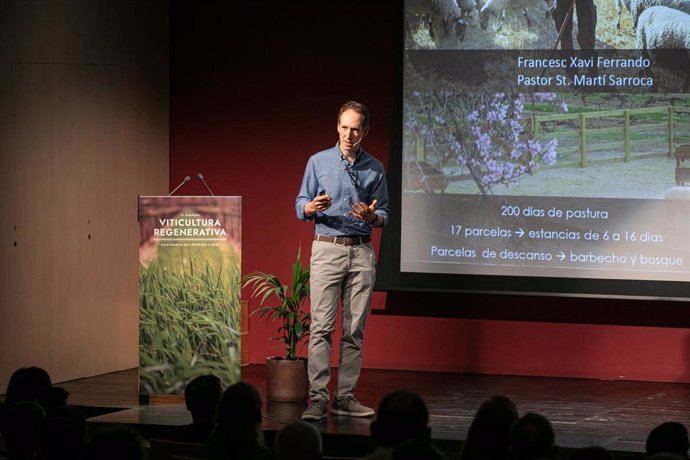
(671, 437)
(488, 437)
(26, 384)
(116, 443)
(418, 449)
(360, 109)
(201, 397)
(401, 416)
(238, 425)
(532, 437)
(298, 441)
(592, 453)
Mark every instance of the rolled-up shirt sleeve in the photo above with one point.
(307, 191)
(380, 194)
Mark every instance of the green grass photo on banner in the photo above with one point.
(189, 316)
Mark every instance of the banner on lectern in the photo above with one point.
(189, 291)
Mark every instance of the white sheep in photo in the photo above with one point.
(637, 7)
(501, 8)
(663, 35)
(445, 18)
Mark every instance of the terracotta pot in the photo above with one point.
(286, 380)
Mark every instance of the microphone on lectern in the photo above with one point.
(201, 178)
(185, 180)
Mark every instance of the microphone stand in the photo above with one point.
(201, 178)
(185, 180)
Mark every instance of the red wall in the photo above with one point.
(255, 87)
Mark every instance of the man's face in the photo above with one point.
(350, 132)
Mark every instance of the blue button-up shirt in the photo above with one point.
(363, 181)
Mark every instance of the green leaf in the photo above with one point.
(288, 307)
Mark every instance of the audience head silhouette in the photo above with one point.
(671, 437)
(201, 397)
(488, 437)
(532, 437)
(37, 423)
(26, 384)
(21, 427)
(592, 453)
(238, 424)
(53, 399)
(417, 449)
(298, 441)
(116, 443)
(666, 456)
(401, 415)
(60, 439)
(239, 410)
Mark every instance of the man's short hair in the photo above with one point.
(359, 108)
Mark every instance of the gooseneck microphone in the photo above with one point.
(184, 181)
(201, 178)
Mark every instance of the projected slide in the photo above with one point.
(529, 153)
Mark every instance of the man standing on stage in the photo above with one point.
(344, 191)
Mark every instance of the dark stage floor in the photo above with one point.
(615, 414)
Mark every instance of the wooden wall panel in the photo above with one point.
(25, 30)
(83, 131)
(74, 195)
(115, 280)
(141, 164)
(8, 236)
(69, 31)
(25, 317)
(6, 161)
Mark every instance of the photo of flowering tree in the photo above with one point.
(485, 137)
(470, 128)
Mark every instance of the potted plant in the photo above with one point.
(286, 377)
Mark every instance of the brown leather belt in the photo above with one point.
(345, 240)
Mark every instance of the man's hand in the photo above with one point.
(318, 204)
(365, 212)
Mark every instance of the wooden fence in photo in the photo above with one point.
(614, 135)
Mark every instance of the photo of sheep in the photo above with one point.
(484, 114)
(526, 24)
(477, 24)
(657, 30)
